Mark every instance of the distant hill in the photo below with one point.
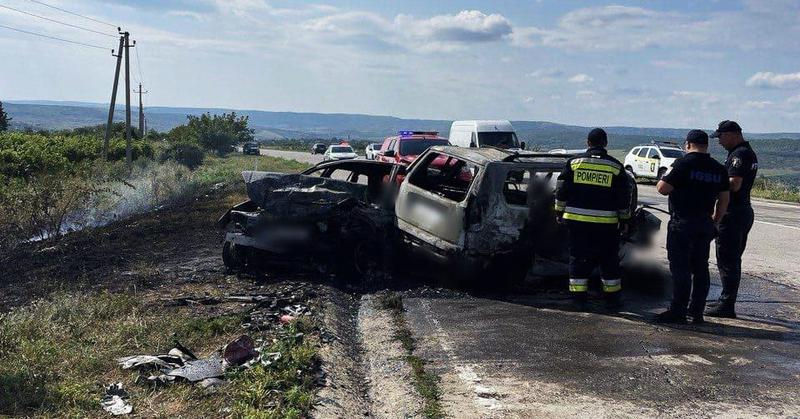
(277, 125)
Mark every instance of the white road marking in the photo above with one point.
(485, 397)
(777, 225)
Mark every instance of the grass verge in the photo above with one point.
(229, 168)
(770, 189)
(285, 388)
(425, 382)
(58, 354)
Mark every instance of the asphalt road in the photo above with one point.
(528, 354)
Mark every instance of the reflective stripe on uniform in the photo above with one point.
(590, 215)
(578, 285)
(591, 218)
(560, 205)
(600, 165)
(612, 285)
(586, 211)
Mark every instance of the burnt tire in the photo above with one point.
(232, 256)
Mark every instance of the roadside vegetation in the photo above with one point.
(55, 182)
(425, 382)
(767, 188)
(60, 353)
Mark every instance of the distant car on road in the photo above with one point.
(339, 152)
(652, 160)
(407, 145)
(318, 148)
(371, 152)
(251, 148)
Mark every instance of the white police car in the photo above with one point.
(653, 160)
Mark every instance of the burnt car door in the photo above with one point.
(433, 200)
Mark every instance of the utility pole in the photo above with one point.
(113, 98)
(128, 156)
(141, 110)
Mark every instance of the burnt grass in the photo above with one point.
(152, 250)
(70, 307)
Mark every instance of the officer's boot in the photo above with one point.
(723, 309)
(614, 301)
(671, 316)
(581, 301)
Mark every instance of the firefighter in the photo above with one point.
(697, 186)
(742, 166)
(593, 198)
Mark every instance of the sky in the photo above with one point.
(681, 64)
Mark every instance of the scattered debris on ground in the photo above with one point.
(115, 401)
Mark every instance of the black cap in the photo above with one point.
(697, 136)
(597, 137)
(726, 126)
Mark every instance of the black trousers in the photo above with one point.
(731, 242)
(688, 246)
(592, 245)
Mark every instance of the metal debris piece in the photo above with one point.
(149, 361)
(184, 349)
(239, 351)
(199, 369)
(115, 401)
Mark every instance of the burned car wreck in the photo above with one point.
(486, 214)
(489, 212)
(334, 215)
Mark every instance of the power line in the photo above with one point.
(72, 13)
(58, 21)
(139, 64)
(54, 37)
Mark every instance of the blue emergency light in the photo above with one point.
(406, 134)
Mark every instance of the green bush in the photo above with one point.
(218, 133)
(187, 154)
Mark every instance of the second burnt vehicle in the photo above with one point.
(336, 215)
(488, 212)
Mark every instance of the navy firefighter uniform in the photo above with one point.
(593, 196)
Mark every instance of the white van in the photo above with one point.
(499, 134)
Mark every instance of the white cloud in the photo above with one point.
(610, 28)
(441, 33)
(580, 78)
(528, 99)
(586, 94)
(794, 99)
(626, 28)
(468, 26)
(768, 79)
(545, 75)
(758, 104)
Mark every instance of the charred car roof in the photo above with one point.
(486, 155)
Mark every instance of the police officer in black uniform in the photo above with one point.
(594, 198)
(742, 166)
(698, 193)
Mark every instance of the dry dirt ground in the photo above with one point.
(172, 257)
